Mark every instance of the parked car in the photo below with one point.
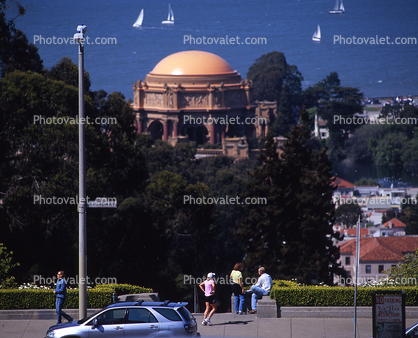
(412, 331)
(131, 319)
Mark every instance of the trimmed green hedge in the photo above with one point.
(97, 298)
(334, 296)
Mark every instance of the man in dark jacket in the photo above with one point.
(61, 292)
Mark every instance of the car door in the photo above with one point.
(140, 322)
(110, 324)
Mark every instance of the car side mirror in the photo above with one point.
(95, 323)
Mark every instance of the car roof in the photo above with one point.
(149, 304)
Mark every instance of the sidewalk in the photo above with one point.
(230, 325)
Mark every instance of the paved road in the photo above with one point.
(229, 325)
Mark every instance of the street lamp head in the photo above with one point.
(81, 30)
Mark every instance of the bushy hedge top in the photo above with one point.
(294, 295)
(97, 297)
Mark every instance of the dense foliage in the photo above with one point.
(292, 234)
(275, 80)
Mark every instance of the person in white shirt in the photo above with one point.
(260, 289)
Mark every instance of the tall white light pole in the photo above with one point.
(82, 207)
(356, 275)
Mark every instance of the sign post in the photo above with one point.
(388, 314)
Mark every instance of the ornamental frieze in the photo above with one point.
(154, 99)
(193, 100)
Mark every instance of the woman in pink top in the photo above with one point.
(208, 287)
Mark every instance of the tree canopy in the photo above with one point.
(292, 234)
(275, 80)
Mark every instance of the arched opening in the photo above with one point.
(196, 133)
(156, 130)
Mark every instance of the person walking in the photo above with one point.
(260, 289)
(237, 288)
(208, 287)
(61, 293)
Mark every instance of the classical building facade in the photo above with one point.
(194, 95)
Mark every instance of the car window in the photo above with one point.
(113, 316)
(141, 316)
(185, 313)
(170, 314)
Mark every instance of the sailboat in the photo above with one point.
(317, 35)
(338, 8)
(138, 22)
(170, 17)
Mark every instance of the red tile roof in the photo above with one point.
(340, 183)
(379, 249)
(395, 223)
(352, 232)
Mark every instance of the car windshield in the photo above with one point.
(81, 321)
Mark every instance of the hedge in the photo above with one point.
(334, 296)
(98, 297)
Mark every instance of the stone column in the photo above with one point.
(175, 130)
(212, 131)
(165, 130)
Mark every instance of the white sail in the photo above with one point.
(317, 35)
(338, 7)
(138, 22)
(170, 16)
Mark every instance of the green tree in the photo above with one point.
(358, 145)
(286, 118)
(269, 73)
(39, 159)
(347, 214)
(6, 265)
(16, 53)
(389, 150)
(407, 269)
(411, 219)
(67, 71)
(336, 104)
(292, 235)
(321, 91)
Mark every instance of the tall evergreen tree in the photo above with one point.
(292, 235)
(286, 117)
(16, 53)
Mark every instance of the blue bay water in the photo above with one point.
(287, 25)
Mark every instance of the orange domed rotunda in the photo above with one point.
(193, 94)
